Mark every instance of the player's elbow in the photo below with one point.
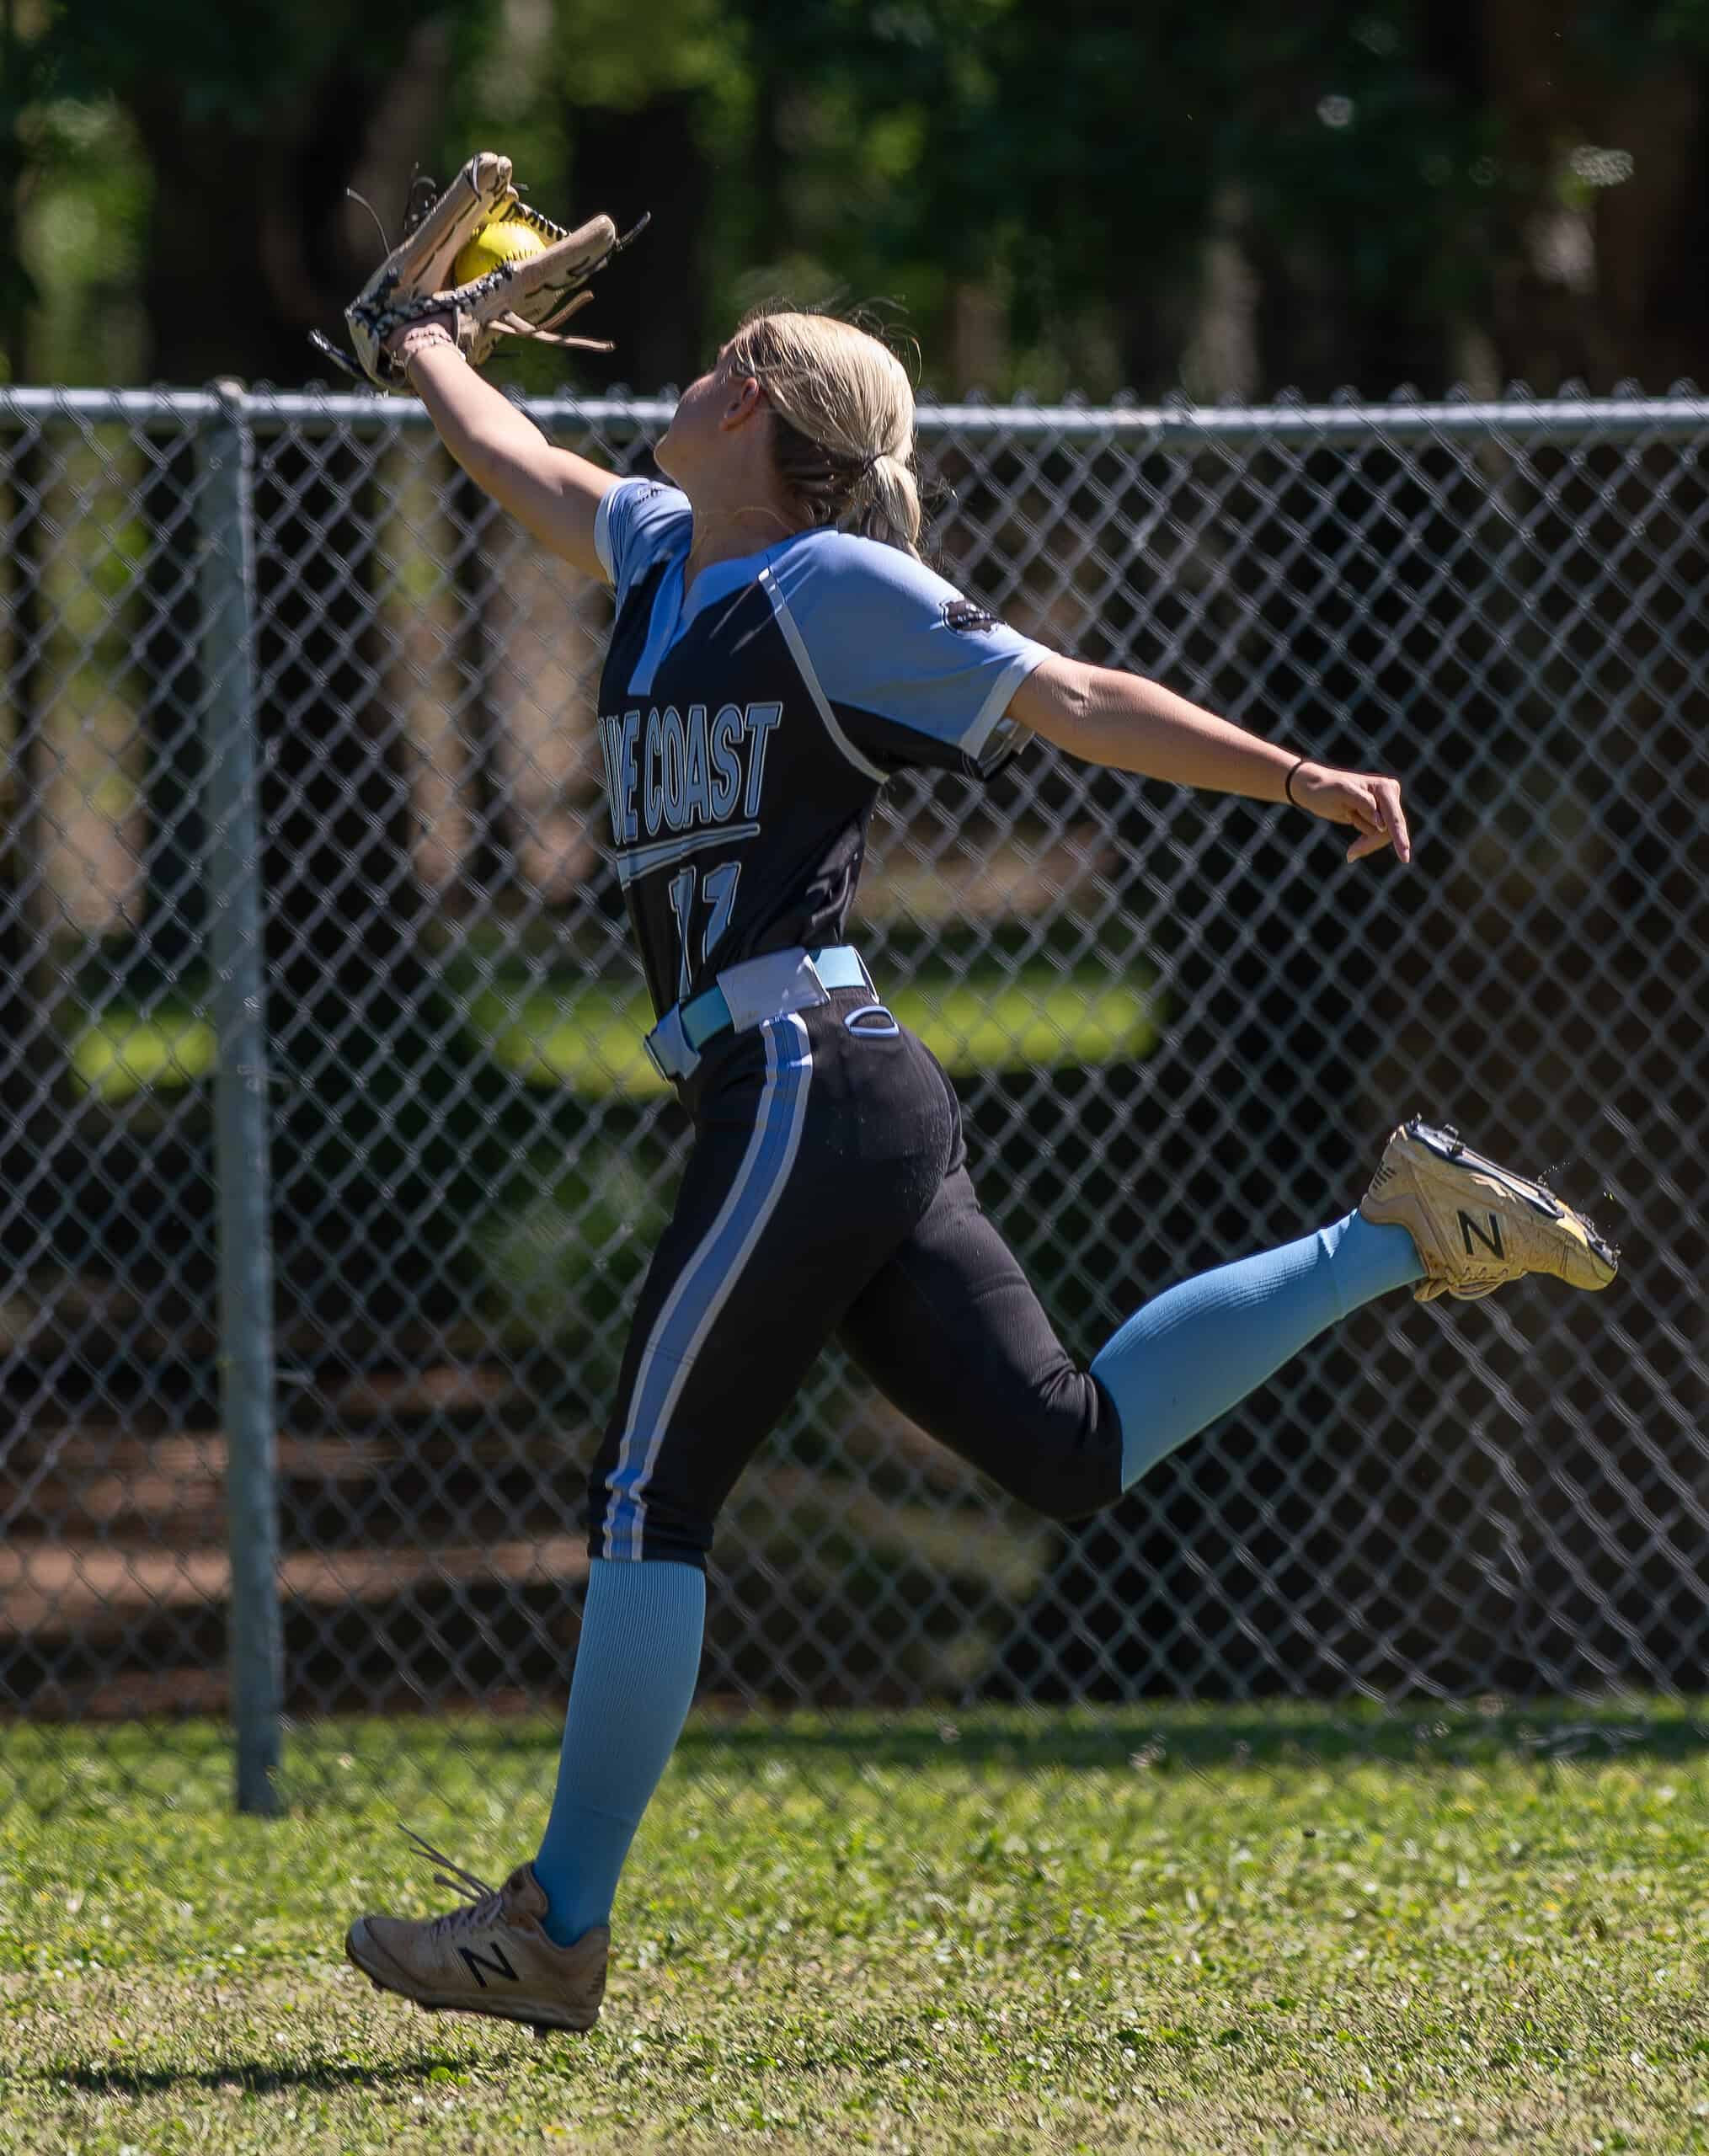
(1058, 701)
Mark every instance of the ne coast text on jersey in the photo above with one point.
(670, 771)
(749, 717)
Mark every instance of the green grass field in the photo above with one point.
(1148, 1928)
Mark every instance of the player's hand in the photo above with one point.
(1372, 805)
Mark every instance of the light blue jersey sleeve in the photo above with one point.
(638, 523)
(909, 671)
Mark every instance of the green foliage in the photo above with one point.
(1633, 36)
(1163, 1928)
(613, 53)
(238, 61)
(83, 241)
(1059, 170)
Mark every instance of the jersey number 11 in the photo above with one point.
(719, 891)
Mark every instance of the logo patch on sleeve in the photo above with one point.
(962, 616)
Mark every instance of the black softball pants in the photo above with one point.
(827, 1197)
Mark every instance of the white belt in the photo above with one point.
(743, 995)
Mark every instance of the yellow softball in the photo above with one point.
(508, 240)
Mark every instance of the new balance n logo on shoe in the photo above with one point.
(494, 1959)
(1469, 1228)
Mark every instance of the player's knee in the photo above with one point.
(1071, 1465)
(1068, 1482)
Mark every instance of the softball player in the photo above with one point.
(779, 651)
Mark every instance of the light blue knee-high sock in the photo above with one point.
(641, 1630)
(1196, 1350)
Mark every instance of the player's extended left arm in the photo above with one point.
(1135, 725)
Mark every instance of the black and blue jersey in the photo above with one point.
(748, 725)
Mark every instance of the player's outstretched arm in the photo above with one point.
(552, 492)
(1135, 725)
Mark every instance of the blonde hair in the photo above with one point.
(842, 411)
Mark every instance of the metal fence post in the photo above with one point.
(226, 458)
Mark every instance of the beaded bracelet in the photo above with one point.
(419, 337)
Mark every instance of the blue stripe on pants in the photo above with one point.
(701, 1289)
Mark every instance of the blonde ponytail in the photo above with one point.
(842, 422)
(893, 514)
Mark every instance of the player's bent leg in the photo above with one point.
(951, 1331)
(490, 1954)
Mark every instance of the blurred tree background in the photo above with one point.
(1092, 196)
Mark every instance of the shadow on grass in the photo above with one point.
(252, 2079)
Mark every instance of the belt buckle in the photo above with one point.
(669, 1047)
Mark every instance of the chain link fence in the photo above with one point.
(302, 868)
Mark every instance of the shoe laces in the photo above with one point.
(481, 1904)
